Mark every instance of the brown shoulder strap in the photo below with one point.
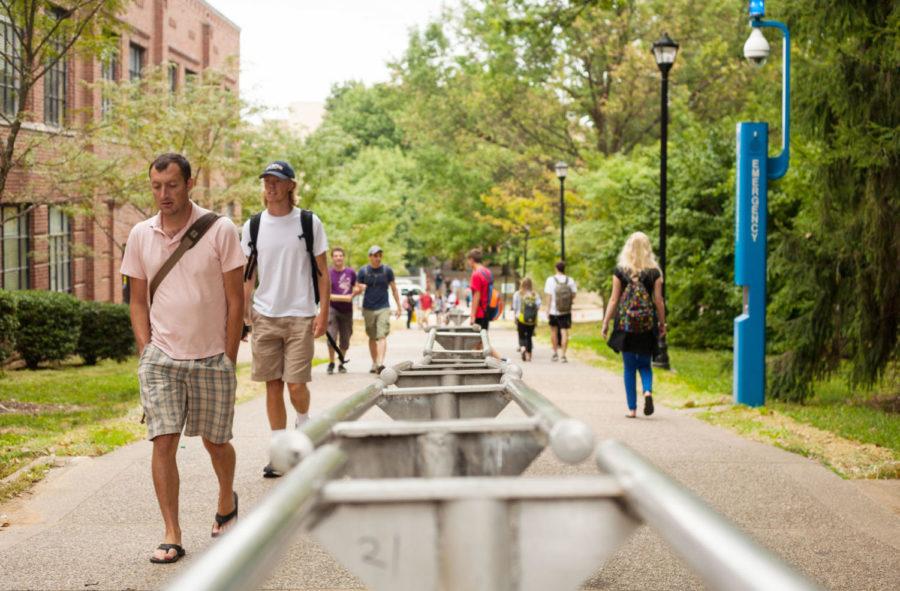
(190, 238)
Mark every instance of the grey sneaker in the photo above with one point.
(330, 369)
(342, 369)
(564, 360)
(555, 357)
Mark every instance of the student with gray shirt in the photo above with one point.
(373, 280)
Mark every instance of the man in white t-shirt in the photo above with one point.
(561, 290)
(283, 314)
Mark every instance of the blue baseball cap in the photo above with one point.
(279, 168)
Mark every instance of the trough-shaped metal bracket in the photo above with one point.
(444, 402)
(464, 447)
(476, 534)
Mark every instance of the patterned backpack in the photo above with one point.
(635, 313)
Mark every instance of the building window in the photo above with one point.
(59, 240)
(173, 77)
(14, 244)
(55, 85)
(135, 61)
(108, 69)
(9, 56)
(190, 76)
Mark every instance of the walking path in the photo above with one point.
(93, 524)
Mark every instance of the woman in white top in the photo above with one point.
(526, 304)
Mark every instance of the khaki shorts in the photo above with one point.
(340, 327)
(193, 395)
(282, 348)
(378, 323)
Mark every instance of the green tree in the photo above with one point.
(842, 255)
(105, 162)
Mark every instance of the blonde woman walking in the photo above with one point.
(526, 304)
(637, 306)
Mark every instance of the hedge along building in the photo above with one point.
(46, 248)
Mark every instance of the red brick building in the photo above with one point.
(47, 249)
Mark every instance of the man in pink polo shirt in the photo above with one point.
(188, 341)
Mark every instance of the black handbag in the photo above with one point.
(616, 340)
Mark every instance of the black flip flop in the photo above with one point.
(179, 552)
(223, 519)
(648, 405)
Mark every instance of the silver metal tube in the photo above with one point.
(571, 440)
(723, 556)
(534, 403)
(243, 558)
(318, 428)
(468, 389)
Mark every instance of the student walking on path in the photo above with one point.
(481, 284)
(186, 308)
(286, 247)
(409, 306)
(374, 280)
(425, 308)
(526, 304)
(637, 307)
(340, 317)
(561, 290)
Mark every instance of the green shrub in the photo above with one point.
(49, 325)
(9, 323)
(105, 332)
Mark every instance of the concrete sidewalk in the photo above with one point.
(94, 523)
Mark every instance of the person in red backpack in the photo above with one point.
(480, 284)
(637, 306)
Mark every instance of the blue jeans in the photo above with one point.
(636, 362)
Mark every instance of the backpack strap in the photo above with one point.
(190, 238)
(306, 229)
(254, 253)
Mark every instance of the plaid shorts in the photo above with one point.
(194, 395)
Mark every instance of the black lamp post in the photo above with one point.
(561, 170)
(664, 50)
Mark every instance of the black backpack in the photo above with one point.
(306, 234)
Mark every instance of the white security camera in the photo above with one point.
(756, 49)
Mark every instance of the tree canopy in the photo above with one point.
(457, 150)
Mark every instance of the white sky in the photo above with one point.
(295, 50)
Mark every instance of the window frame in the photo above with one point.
(109, 72)
(22, 240)
(139, 51)
(56, 84)
(172, 73)
(59, 250)
(9, 79)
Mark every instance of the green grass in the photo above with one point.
(704, 378)
(698, 378)
(69, 410)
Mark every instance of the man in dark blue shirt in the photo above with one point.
(374, 280)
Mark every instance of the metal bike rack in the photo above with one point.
(431, 501)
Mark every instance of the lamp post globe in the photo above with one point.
(562, 170)
(665, 50)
